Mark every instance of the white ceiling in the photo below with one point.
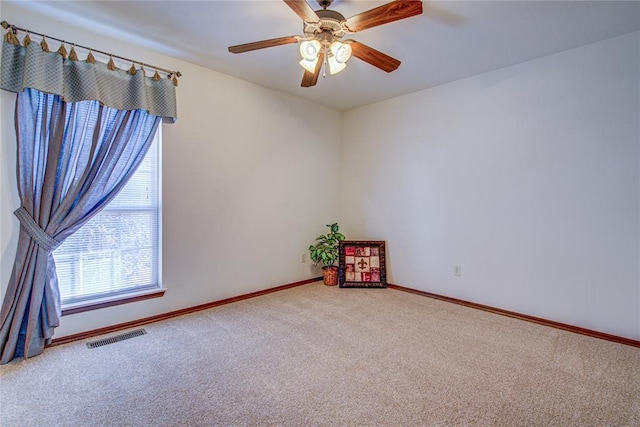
(451, 40)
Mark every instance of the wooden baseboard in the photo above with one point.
(165, 316)
(538, 320)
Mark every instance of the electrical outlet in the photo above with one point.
(457, 270)
(303, 257)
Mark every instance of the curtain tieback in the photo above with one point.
(32, 228)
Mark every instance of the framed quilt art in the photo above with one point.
(362, 264)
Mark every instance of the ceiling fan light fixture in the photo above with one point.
(341, 51)
(335, 66)
(309, 49)
(310, 66)
(320, 46)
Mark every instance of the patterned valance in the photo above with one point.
(75, 80)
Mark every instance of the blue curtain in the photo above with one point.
(73, 158)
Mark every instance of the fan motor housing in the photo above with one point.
(330, 22)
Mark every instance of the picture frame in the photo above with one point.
(362, 264)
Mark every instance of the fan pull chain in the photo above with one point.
(324, 63)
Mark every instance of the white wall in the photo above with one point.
(528, 177)
(239, 204)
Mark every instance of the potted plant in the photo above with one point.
(325, 251)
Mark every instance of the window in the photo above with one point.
(118, 251)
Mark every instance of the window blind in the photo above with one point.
(118, 251)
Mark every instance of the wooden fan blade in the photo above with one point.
(303, 10)
(384, 14)
(240, 48)
(373, 56)
(310, 79)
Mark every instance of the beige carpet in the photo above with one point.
(321, 356)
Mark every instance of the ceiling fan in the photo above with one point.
(323, 30)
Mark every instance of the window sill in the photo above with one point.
(103, 303)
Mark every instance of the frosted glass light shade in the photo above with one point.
(341, 52)
(309, 49)
(335, 66)
(310, 66)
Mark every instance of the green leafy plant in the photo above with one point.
(326, 248)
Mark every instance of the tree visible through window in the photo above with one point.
(118, 251)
